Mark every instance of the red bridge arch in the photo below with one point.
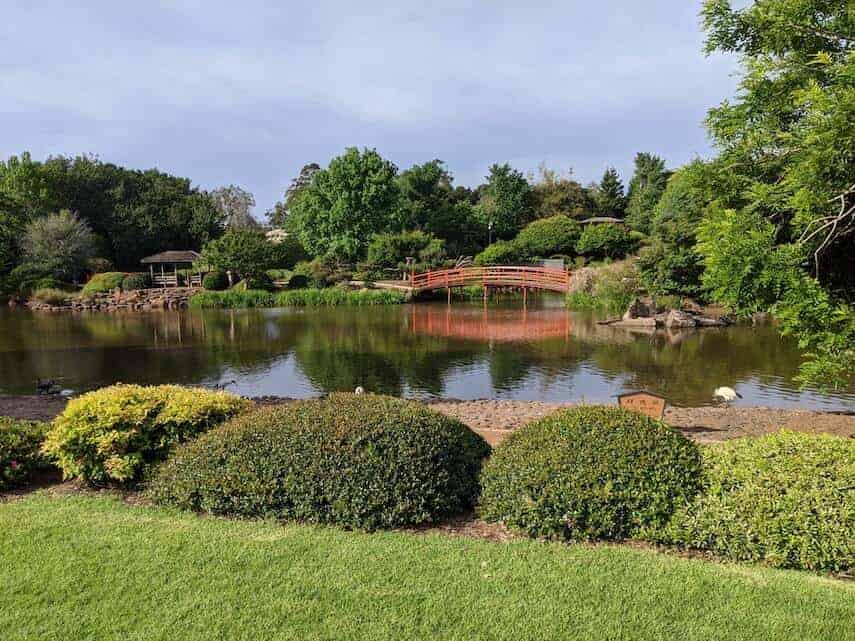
(555, 280)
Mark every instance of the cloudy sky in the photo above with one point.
(247, 92)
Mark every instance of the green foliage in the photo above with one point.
(298, 281)
(502, 252)
(215, 281)
(136, 280)
(51, 296)
(609, 197)
(60, 244)
(100, 283)
(358, 461)
(590, 473)
(346, 204)
(117, 432)
(333, 296)
(140, 212)
(645, 189)
(391, 251)
(548, 236)
(557, 195)
(506, 203)
(785, 499)
(245, 252)
(259, 282)
(20, 450)
(605, 241)
(26, 278)
(670, 269)
(287, 252)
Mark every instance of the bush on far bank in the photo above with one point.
(365, 462)
(106, 282)
(115, 433)
(590, 473)
(215, 281)
(785, 499)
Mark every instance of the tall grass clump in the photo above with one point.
(333, 296)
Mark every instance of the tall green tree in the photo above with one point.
(555, 194)
(278, 216)
(506, 203)
(243, 252)
(786, 144)
(610, 197)
(346, 204)
(58, 244)
(645, 189)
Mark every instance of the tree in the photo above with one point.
(609, 196)
(234, 205)
(244, 252)
(548, 236)
(645, 189)
(278, 216)
(506, 204)
(59, 244)
(346, 204)
(786, 150)
(605, 241)
(431, 204)
(554, 194)
(390, 251)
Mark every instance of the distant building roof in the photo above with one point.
(172, 256)
(601, 219)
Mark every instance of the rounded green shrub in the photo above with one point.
(298, 281)
(115, 433)
(785, 499)
(106, 282)
(215, 281)
(605, 241)
(547, 236)
(590, 473)
(502, 252)
(20, 450)
(358, 461)
(137, 280)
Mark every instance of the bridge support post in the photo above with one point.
(525, 296)
(448, 290)
(486, 294)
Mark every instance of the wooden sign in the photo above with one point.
(652, 405)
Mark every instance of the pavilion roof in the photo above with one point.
(172, 257)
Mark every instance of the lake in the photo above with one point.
(428, 350)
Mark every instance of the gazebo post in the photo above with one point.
(163, 275)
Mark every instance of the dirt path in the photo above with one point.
(495, 419)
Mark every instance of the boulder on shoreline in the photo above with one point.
(642, 313)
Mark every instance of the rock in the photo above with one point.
(690, 306)
(711, 322)
(678, 319)
(640, 308)
(636, 322)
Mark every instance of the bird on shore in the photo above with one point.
(726, 395)
(359, 390)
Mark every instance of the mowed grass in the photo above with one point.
(95, 568)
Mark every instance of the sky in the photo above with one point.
(247, 93)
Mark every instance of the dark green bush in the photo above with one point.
(605, 241)
(298, 281)
(20, 450)
(358, 461)
(502, 252)
(137, 280)
(259, 283)
(391, 250)
(105, 282)
(590, 473)
(786, 499)
(115, 433)
(215, 281)
(547, 236)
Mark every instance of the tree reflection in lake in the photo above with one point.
(425, 350)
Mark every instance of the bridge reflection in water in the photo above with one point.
(489, 324)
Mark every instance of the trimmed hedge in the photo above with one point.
(785, 499)
(502, 252)
(215, 281)
(115, 433)
(20, 450)
(136, 280)
(106, 282)
(548, 236)
(590, 473)
(359, 461)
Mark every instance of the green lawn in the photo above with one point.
(95, 568)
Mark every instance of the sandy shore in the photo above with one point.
(495, 419)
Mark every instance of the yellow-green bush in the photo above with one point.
(115, 433)
(786, 499)
(106, 282)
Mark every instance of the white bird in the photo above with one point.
(359, 390)
(726, 394)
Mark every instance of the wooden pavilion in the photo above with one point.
(170, 262)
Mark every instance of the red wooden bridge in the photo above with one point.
(556, 280)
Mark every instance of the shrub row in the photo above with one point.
(20, 450)
(357, 461)
(235, 299)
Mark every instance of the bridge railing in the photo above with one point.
(496, 276)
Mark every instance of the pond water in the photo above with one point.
(427, 350)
